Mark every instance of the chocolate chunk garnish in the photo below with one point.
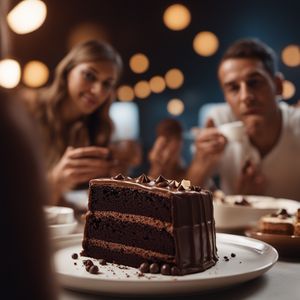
(242, 202)
(162, 184)
(119, 177)
(283, 212)
(197, 188)
(144, 267)
(175, 271)
(143, 179)
(87, 267)
(173, 184)
(94, 269)
(154, 268)
(181, 188)
(88, 262)
(74, 255)
(165, 269)
(160, 179)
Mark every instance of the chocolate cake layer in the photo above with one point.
(129, 200)
(122, 254)
(130, 230)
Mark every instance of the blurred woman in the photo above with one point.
(73, 116)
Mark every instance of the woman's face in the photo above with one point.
(90, 84)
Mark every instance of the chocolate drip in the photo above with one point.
(143, 179)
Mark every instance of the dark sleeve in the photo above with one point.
(25, 252)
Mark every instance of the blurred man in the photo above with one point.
(268, 161)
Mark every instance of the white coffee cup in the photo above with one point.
(234, 131)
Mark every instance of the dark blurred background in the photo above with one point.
(135, 26)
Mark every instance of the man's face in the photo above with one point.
(250, 90)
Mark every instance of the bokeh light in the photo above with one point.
(177, 17)
(10, 73)
(87, 31)
(289, 90)
(139, 63)
(174, 78)
(205, 43)
(125, 93)
(35, 74)
(142, 89)
(175, 107)
(27, 16)
(157, 84)
(291, 55)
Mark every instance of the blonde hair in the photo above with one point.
(48, 108)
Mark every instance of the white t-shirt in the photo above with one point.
(281, 167)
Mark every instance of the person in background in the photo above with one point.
(268, 163)
(165, 156)
(128, 153)
(73, 116)
(25, 249)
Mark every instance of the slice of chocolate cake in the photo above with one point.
(161, 222)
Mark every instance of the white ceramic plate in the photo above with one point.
(78, 198)
(252, 259)
(62, 229)
(229, 216)
(58, 215)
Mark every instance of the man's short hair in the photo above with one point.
(253, 48)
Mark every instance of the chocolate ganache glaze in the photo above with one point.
(177, 209)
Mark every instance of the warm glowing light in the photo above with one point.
(206, 43)
(177, 17)
(125, 93)
(139, 63)
(157, 84)
(289, 90)
(10, 73)
(35, 74)
(27, 16)
(291, 55)
(86, 31)
(174, 78)
(142, 89)
(175, 107)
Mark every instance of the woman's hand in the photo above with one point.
(79, 165)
